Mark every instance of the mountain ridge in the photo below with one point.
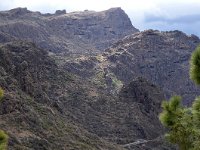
(75, 32)
(88, 80)
(160, 57)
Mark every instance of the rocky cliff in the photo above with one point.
(161, 57)
(76, 32)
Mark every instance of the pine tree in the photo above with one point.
(3, 135)
(184, 123)
(178, 120)
(195, 66)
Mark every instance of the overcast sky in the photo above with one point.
(145, 14)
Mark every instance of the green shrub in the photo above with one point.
(195, 66)
(1, 93)
(3, 140)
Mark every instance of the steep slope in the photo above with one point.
(143, 99)
(133, 115)
(48, 108)
(32, 110)
(161, 57)
(137, 110)
(77, 32)
(130, 118)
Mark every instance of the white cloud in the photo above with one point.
(73, 5)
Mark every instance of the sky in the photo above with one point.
(161, 15)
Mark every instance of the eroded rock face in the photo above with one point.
(60, 12)
(77, 32)
(161, 57)
(140, 103)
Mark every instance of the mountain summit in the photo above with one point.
(75, 32)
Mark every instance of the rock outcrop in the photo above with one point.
(76, 32)
(136, 111)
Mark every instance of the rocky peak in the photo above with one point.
(75, 32)
(118, 9)
(60, 12)
(18, 12)
(115, 11)
(155, 36)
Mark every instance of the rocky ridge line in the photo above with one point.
(86, 32)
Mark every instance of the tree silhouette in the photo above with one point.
(184, 123)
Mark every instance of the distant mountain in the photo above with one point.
(76, 32)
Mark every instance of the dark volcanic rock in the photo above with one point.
(76, 32)
(60, 12)
(139, 102)
(18, 12)
(161, 57)
(133, 115)
(142, 92)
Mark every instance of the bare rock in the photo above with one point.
(86, 32)
(161, 57)
(60, 12)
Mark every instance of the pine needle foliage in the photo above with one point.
(3, 135)
(171, 111)
(195, 66)
(177, 119)
(184, 123)
(1, 93)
